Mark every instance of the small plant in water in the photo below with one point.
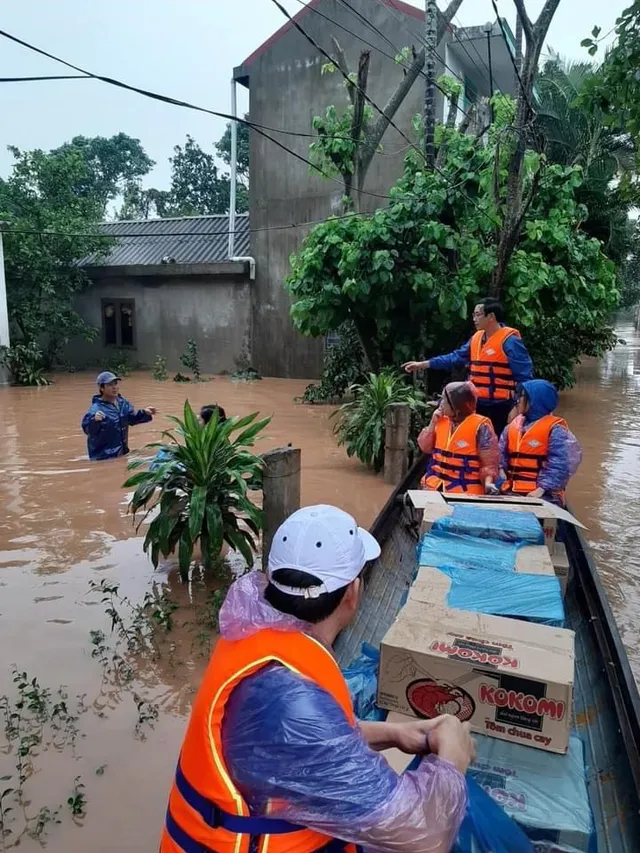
(159, 371)
(119, 362)
(202, 493)
(5, 811)
(180, 377)
(148, 713)
(191, 360)
(37, 826)
(77, 802)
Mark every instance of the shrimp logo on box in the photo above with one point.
(429, 698)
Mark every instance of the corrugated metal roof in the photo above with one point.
(186, 240)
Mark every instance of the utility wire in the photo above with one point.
(379, 50)
(327, 56)
(436, 168)
(512, 57)
(462, 44)
(165, 99)
(148, 94)
(48, 77)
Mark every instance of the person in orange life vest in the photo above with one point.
(538, 453)
(462, 445)
(497, 360)
(273, 756)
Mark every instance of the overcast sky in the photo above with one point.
(182, 48)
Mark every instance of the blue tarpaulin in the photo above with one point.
(536, 598)
(466, 552)
(522, 528)
(545, 793)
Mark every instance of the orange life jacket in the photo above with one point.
(206, 810)
(455, 463)
(527, 451)
(489, 368)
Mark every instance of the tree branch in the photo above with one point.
(449, 126)
(343, 65)
(527, 26)
(358, 117)
(448, 15)
(544, 18)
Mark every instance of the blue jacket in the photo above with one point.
(109, 438)
(519, 359)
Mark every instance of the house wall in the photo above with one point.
(213, 310)
(287, 90)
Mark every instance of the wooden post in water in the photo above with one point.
(281, 492)
(396, 444)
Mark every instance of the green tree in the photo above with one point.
(574, 135)
(47, 220)
(223, 147)
(407, 275)
(115, 165)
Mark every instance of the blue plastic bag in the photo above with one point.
(487, 828)
(502, 525)
(466, 552)
(535, 598)
(362, 680)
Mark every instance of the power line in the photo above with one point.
(132, 234)
(48, 77)
(146, 93)
(378, 49)
(472, 43)
(260, 129)
(512, 58)
(327, 56)
(321, 50)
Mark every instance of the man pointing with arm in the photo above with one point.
(497, 360)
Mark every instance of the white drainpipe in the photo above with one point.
(234, 171)
(247, 260)
(232, 194)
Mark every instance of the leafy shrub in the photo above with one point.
(25, 363)
(342, 367)
(200, 490)
(191, 360)
(159, 371)
(361, 421)
(119, 362)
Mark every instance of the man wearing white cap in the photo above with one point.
(273, 758)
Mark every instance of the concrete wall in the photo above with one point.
(286, 91)
(214, 310)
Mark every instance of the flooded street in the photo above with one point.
(64, 526)
(602, 410)
(114, 740)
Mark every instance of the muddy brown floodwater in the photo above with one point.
(64, 527)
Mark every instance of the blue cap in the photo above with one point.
(106, 377)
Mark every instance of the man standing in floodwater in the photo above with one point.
(107, 422)
(497, 359)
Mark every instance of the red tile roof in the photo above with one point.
(399, 5)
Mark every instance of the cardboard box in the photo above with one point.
(437, 505)
(398, 760)
(510, 679)
(560, 561)
(534, 560)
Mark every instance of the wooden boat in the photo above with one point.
(606, 700)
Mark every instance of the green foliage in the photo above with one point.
(223, 147)
(159, 371)
(574, 135)
(361, 422)
(201, 491)
(342, 368)
(119, 362)
(25, 363)
(115, 165)
(45, 192)
(191, 360)
(408, 274)
(617, 89)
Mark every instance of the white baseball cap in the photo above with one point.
(325, 542)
